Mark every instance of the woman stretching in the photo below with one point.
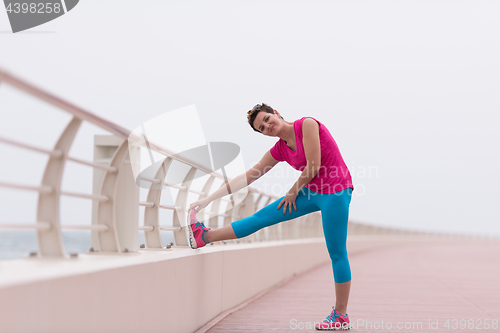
(325, 184)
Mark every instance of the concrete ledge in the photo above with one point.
(152, 291)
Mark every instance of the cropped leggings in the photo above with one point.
(334, 212)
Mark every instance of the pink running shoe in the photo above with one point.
(334, 322)
(198, 233)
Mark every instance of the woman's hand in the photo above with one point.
(199, 205)
(288, 200)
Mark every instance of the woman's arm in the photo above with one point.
(263, 166)
(312, 150)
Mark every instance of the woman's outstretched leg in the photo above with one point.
(200, 235)
(224, 233)
(265, 217)
(335, 214)
(270, 215)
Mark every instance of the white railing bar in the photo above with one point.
(97, 227)
(224, 215)
(98, 121)
(179, 187)
(156, 181)
(54, 153)
(167, 153)
(146, 228)
(197, 192)
(171, 228)
(200, 167)
(147, 203)
(94, 165)
(56, 101)
(37, 226)
(169, 207)
(41, 189)
(101, 198)
(92, 118)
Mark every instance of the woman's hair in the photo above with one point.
(252, 114)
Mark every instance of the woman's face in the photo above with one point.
(267, 123)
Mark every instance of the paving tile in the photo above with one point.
(417, 284)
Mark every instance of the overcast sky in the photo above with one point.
(408, 89)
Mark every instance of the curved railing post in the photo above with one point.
(228, 216)
(310, 225)
(106, 211)
(272, 231)
(201, 216)
(213, 223)
(244, 209)
(318, 224)
(260, 235)
(152, 214)
(114, 222)
(286, 228)
(179, 218)
(50, 241)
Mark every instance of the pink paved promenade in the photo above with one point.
(418, 286)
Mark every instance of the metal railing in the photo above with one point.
(108, 227)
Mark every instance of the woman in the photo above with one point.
(325, 184)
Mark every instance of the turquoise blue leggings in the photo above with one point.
(334, 212)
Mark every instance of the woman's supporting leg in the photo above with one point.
(342, 296)
(335, 214)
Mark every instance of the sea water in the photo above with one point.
(18, 244)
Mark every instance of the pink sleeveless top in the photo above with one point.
(333, 176)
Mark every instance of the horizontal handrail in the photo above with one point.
(116, 190)
(169, 207)
(46, 226)
(179, 187)
(170, 228)
(94, 165)
(40, 189)
(151, 228)
(197, 192)
(54, 153)
(156, 181)
(96, 227)
(101, 198)
(101, 122)
(62, 104)
(94, 119)
(222, 215)
(36, 226)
